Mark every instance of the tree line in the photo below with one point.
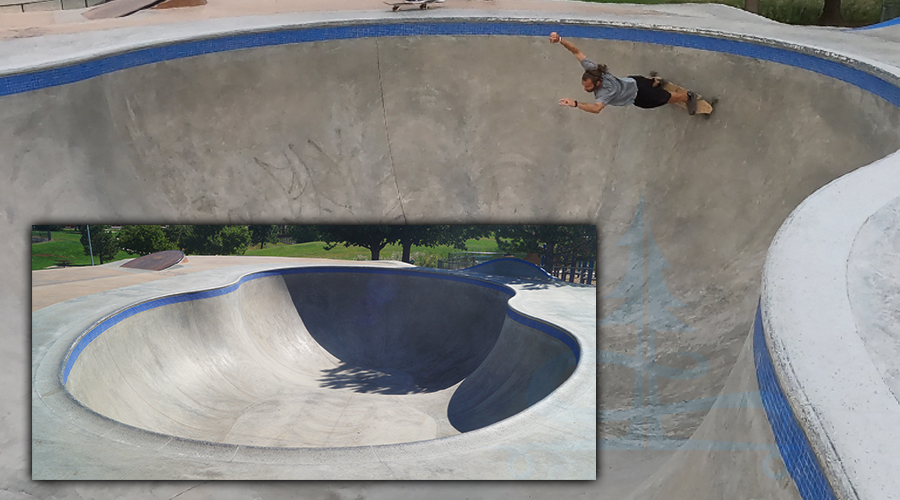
(545, 240)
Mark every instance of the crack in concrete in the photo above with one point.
(387, 131)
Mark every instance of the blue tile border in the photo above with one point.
(104, 325)
(26, 82)
(796, 452)
(547, 329)
(884, 24)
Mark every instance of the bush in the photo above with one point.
(144, 240)
(303, 234)
(215, 240)
(803, 12)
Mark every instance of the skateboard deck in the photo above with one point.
(422, 4)
(704, 107)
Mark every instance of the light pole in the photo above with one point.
(90, 248)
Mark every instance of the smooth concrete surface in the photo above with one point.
(779, 133)
(739, 408)
(341, 373)
(838, 363)
(873, 269)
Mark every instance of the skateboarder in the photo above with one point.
(610, 90)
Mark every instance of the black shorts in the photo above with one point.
(649, 96)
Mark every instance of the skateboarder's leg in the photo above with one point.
(680, 96)
(650, 96)
(687, 97)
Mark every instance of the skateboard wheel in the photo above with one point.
(396, 8)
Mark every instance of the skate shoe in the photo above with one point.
(691, 102)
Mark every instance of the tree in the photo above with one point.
(144, 240)
(178, 235)
(263, 234)
(434, 235)
(373, 237)
(216, 240)
(549, 240)
(102, 242)
(831, 14)
(235, 240)
(303, 234)
(751, 6)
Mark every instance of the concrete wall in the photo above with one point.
(436, 331)
(12, 6)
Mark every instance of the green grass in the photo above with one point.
(64, 245)
(805, 12)
(423, 256)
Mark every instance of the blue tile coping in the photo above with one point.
(796, 452)
(72, 73)
(128, 312)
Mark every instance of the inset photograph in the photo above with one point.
(332, 352)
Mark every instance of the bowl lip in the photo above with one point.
(109, 320)
(492, 433)
(71, 58)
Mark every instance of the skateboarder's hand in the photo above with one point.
(554, 37)
(567, 102)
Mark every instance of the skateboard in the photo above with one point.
(423, 4)
(704, 107)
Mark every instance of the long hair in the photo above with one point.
(595, 75)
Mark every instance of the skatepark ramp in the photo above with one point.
(453, 121)
(319, 358)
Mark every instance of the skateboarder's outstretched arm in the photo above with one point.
(590, 107)
(555, 38)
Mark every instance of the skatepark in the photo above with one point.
(335, 371)
(746, 328)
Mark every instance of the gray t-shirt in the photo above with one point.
(613, 91)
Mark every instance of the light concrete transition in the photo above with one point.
(345, 112)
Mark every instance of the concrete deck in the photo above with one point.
(789, 122)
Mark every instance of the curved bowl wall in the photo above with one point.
(319, 358)
(440, 122)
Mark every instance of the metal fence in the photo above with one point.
(569, 268)
(573, 270)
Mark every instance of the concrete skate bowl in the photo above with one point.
(320, 358)
(457, 121)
